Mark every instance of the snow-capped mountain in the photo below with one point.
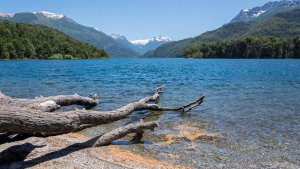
(145, 45)
(265, 11)
(162, 39)
(5, 15)
(93, 36)
(118, 37)
(123, 40)
(50, 15)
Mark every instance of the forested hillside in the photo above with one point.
(75, 30)
(286, 24)
(178, 48)
(252, 47)
(25, 41)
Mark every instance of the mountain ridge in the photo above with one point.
(270, 26)
(73, 29)
(265, 11)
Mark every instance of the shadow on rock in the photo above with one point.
(16, 153)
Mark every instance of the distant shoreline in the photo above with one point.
(155, 58)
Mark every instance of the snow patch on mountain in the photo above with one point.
(98, 29)
(50, 14)
(6, 14)
(259, 13)
(250, 14)
(140, 42)
(118, 37)
(155, 39)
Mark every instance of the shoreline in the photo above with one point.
(65, 151)
(155, 58)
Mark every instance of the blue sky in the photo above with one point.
(138, 19)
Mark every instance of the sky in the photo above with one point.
(140, 19)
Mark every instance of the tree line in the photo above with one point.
(26, 41)
(249, 47)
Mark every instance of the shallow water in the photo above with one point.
(252, 105)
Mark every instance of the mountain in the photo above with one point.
(266, 11)
(177, 48)
(6, 15)
(278, 37)
(123, 40)
(26, 41)
(145, 45)
(285, 24)
(275, 25)
(66, 25)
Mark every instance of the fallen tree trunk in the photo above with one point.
(137, 128)
(20, 152)
(48, 104)
(36, 116)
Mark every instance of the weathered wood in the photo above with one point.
(48, 104)
(27, 117)
(20, 152)
(137, 128)
(182, 109)
(35, 116)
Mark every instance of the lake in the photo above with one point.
(251, 111)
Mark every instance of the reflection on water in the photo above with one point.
(251, 105)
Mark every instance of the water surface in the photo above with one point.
(253, 105)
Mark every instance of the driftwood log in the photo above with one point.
(37, 117)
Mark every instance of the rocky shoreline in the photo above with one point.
(68, 151)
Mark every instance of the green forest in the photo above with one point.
(26, 41)
(250, 47)
(284, 25)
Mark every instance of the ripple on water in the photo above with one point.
(253, 105)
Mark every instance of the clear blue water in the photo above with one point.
(254, 105)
